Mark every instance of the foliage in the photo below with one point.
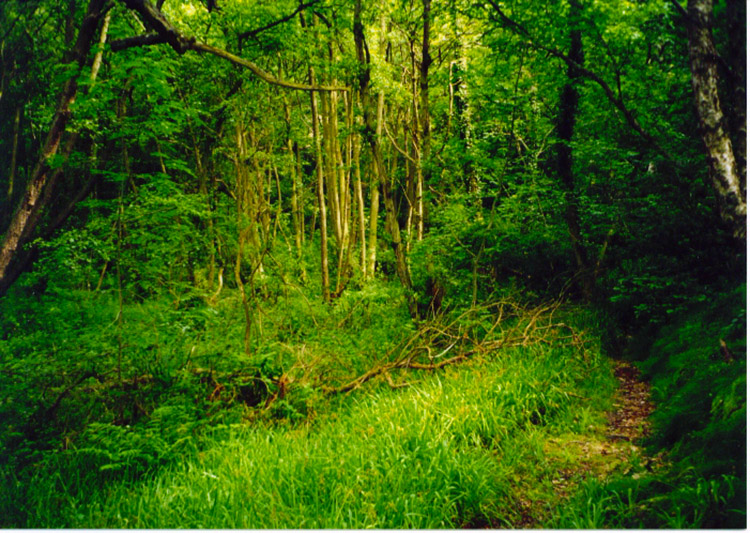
(169, 356)
(699, 422)
(447, 452)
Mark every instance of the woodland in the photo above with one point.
(396, 264)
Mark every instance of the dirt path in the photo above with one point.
(629, 420)
(611, 450)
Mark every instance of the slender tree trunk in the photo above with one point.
(298, 230)
(300, 197)
(256, 207)
(424, 119)
(372, 245)
(372, 237)
(363, 55)
(360, 208)
(26, 216)
(14, 152)
(330, 160)
(244, 223)
(343, 167)
(325, 281)
(722, 165)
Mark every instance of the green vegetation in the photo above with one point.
(700, 422)
(346, 264)
(458, 447)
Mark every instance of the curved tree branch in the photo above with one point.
(166, 32)
(252, 33)
(265, 76)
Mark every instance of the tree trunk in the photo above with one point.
(737, 53)
(722, 165)
(298, 230)
(423, 172)
(363, 56)
(372, 245)
(26, 216)
(564, 153)
(242, 233)
(14, 152)
(360, 208)
(325, 281)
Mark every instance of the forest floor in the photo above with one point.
(608, 451)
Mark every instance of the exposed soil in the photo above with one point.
(629, 420)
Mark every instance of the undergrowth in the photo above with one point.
(452, 446)
(699, 389)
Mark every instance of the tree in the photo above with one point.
(722, 162)
(563, 167)
(42, 181)
(392, 225)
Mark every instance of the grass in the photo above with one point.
(464, 446)
(513, 437)
(699, 427)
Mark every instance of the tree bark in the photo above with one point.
(722, 165)
(737, 52)
(25, 218)
(564, 152)
(296, 204)
(360, 208)
(423, 172)
(14, 152)
(363, 56)
(325, 281)
(372, 245)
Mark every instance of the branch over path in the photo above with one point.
(580, 70)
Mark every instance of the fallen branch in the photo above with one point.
(455, 332)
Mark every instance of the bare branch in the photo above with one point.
(252, 33)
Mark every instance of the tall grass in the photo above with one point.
(459, 447)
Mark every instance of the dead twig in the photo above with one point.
(531, 325)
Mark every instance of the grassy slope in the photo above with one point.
(468, 445)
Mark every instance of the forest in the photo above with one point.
(399, 264)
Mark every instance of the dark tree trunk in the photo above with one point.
(424, 119)
(564, 152)
(26, 216)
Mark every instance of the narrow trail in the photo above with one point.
(612, 450)
(629, 420)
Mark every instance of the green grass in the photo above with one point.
(699, 425)
(460, 447)
(501, 440)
